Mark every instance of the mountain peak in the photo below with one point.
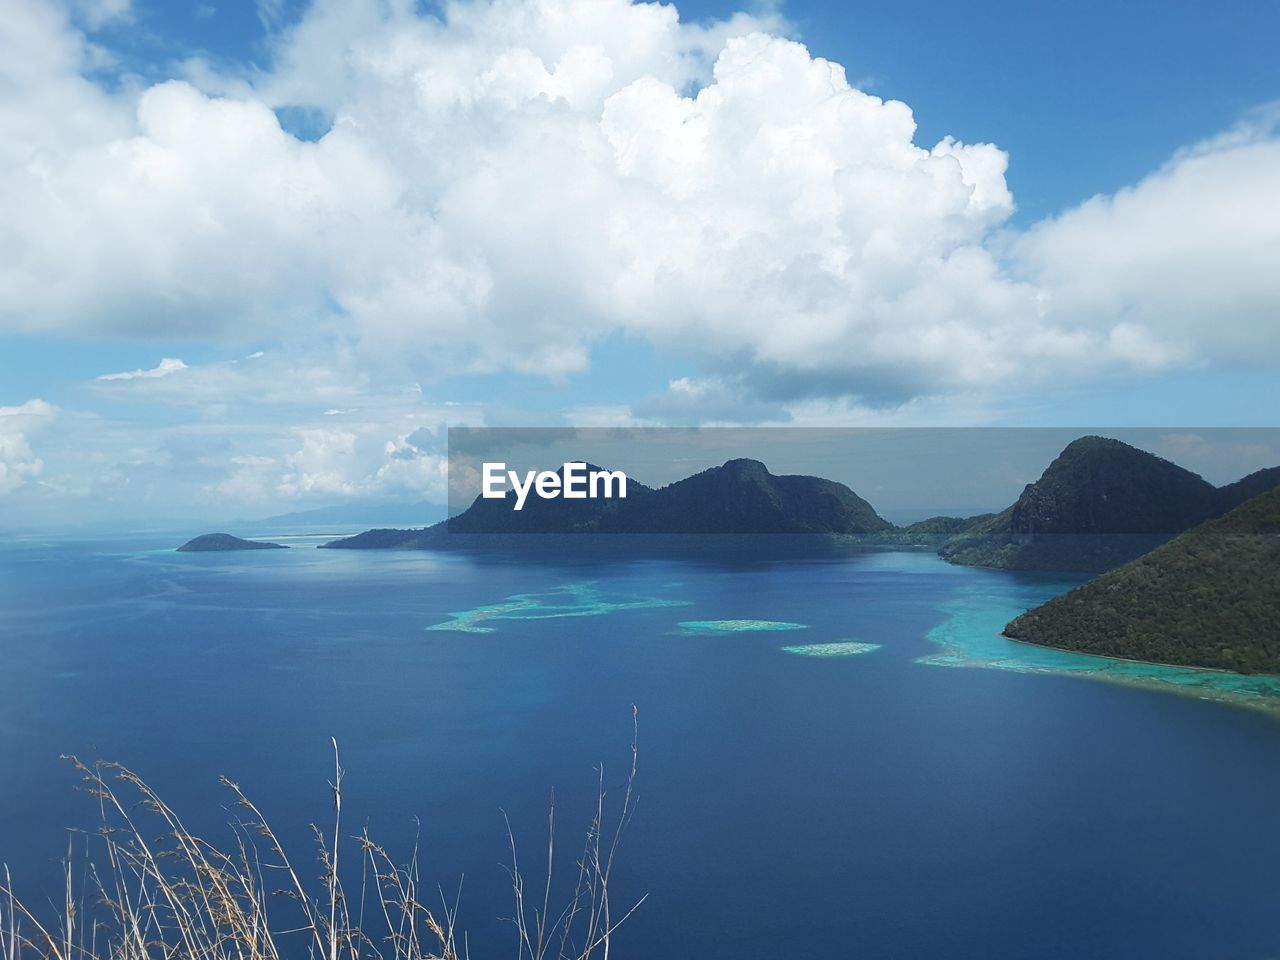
(1101, 485)
(1093, 441)
(745, 465)
(739, 497)
(1100, 503)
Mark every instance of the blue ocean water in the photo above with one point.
(879, 805)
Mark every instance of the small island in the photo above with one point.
(214, 542)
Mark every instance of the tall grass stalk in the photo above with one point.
(151, 889)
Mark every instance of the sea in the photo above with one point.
(834, 759)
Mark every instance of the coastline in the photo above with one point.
(1256, 702)
(1134, 660)
(970, 634)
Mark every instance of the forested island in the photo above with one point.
(1099, 504)
(740, 498)
(1208, 598)
(1194, 569)
(216, 542)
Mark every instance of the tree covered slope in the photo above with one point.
(1208, 598)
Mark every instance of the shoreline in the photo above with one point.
(1144, 663)
(1258, 703)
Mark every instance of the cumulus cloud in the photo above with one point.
(1183, 264)
(504, 183)
(356, 463)
(18, 462)
(227, 440)
(415, 463)
(260, 431)
(320, 463)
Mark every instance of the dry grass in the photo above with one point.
(180, 897)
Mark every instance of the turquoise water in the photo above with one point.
(969, 636)
(569, 600)
(811, 784)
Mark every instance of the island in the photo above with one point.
(740, 497)
(1185, 572)
(214, 542)
(1100, 504)
(1208, 598)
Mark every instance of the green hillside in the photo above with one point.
(1209, 598)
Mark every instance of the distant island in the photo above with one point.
(1194, 569)
(740, 497)
(1208, 598)
(214, 542)
(1099, 504)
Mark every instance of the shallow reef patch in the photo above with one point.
(711, 628)
(970, 636)
(570, 600)
(838, 648)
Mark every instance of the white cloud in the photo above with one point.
(506, 183)
(305, 381)
(320, 464)
(1184, 264)
(354, 463)
(226, 440)
(18, 462)
(48, 110)
(415, 463)
(164, 368)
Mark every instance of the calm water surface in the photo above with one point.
(857, 805)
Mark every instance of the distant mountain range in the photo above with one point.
(1208, 598)
(350, 515)
(1099, 504)
(740, 497)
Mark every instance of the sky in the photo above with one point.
(258, 256)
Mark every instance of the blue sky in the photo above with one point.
(348, 225)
